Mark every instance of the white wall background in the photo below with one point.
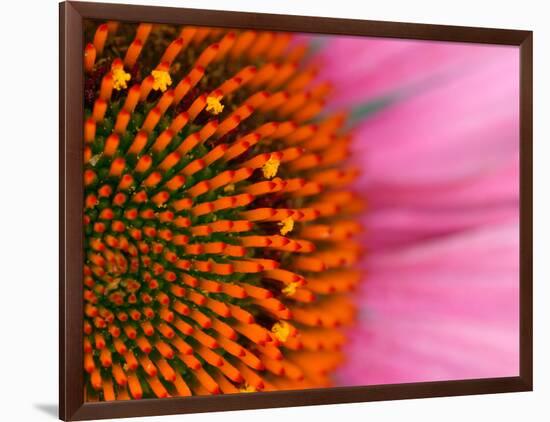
(29, 211)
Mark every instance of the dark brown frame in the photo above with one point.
(71, 402)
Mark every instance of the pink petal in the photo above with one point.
(463, 128)
(398, 226)
(498, 186)
(366, 68)
(442, 309)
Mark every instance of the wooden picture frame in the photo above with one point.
(71, 402)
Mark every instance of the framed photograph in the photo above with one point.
(267, 210)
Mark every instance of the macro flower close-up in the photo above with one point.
(270, 211)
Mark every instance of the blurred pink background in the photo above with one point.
(437, 138)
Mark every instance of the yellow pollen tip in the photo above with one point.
(229, 188)
(162, 80)
(281, 330)
(112, 285)
(270, 168)
(94, 160)
(287, 225)
(214, 105)
(120, 77)
(290, 289)
(247, 389)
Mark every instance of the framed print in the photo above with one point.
(267, 210)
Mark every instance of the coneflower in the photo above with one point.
(217, 220)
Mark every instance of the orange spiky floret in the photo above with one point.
(218, 225)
